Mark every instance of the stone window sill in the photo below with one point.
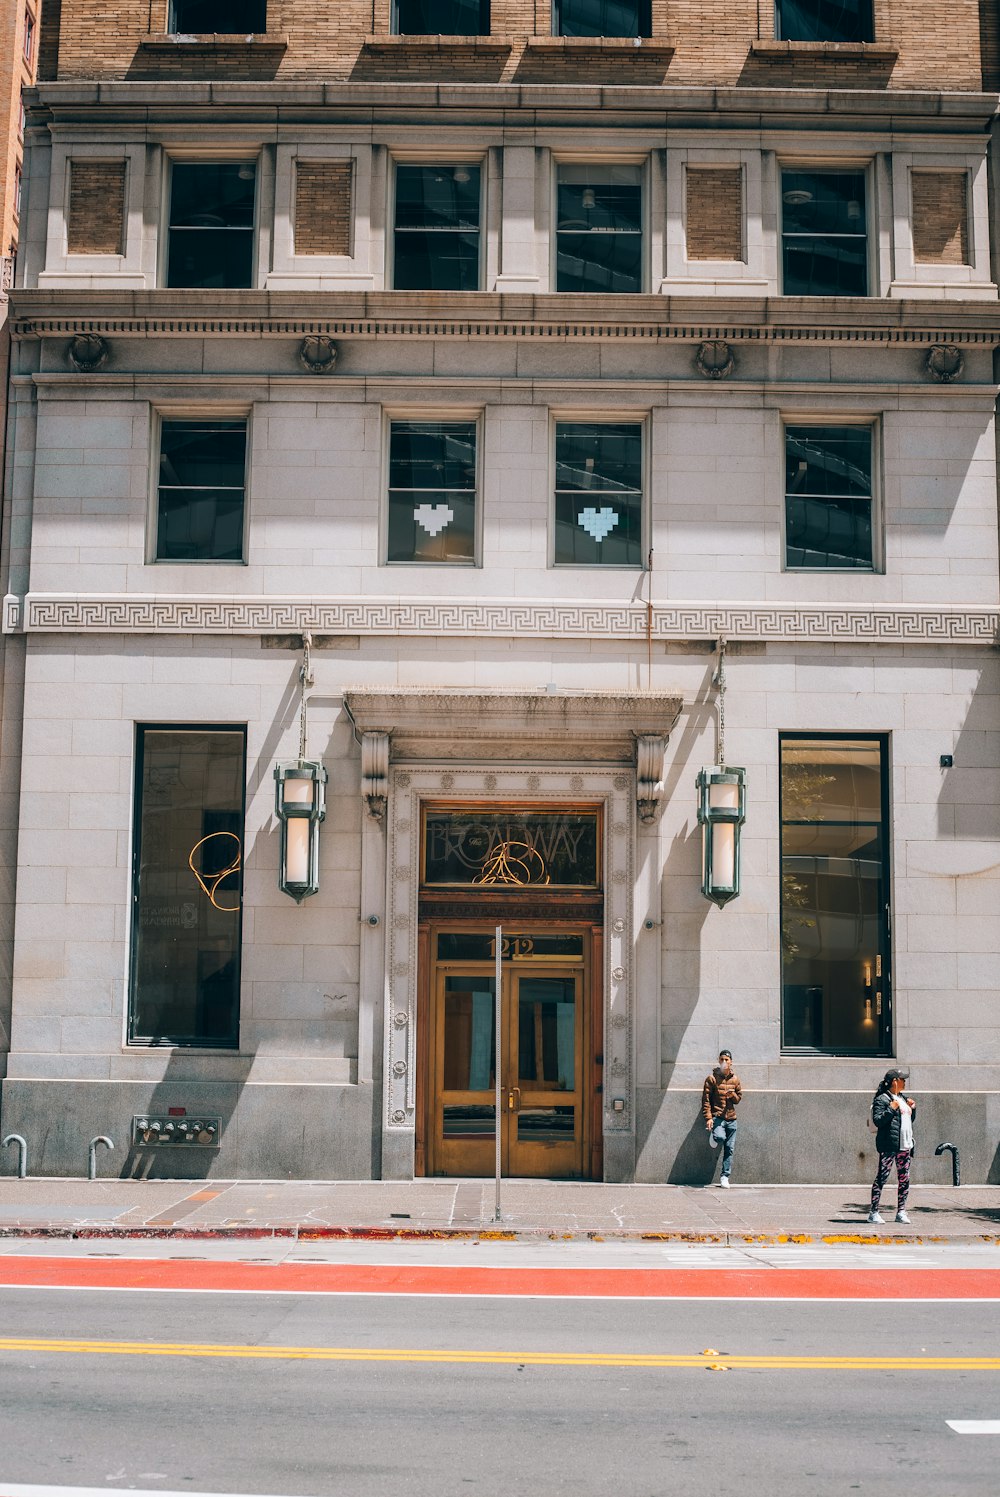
(657, 46)
(849, 51)
(486, 45)
(260, 41)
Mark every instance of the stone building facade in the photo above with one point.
(513, 422)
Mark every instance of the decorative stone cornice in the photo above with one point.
(475, 315)
(91, 613)
(595, 726)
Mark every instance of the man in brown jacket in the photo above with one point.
(720, 1097)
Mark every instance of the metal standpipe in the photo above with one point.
(22, 1153)
(92, 1167)
(956, 1163)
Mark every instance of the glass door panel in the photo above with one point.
(545, 1063)
(466, 1096)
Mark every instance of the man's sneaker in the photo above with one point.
(713, 1142)
(901, 1216)
(873, 1216)
(724, 1182)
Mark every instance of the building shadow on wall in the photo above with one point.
(689, 1166)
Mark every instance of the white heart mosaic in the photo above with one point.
(433, 517)
(598, 523)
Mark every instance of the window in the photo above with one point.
(187, 886)
(601, 17)
(432, 491)
(211, 238)
(599, 229)
(824, 233)
(18, 183)
(834, 895)
(200, 499)
(226, 17)
(824, 21)
(441, 17)
(436, 240)
(29, 37)
(828, 497)
(598, 499)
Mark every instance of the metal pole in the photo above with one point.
(498, 1067)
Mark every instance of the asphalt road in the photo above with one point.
(175, 1414)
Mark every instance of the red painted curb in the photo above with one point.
(569, 1283)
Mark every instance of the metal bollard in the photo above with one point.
(22, 1153)
(102, 1139)
(956, 1164)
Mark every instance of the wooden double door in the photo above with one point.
(549, 1074)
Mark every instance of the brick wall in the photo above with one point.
(939, 47)
(95, 224)
(714, 213)
(323, 207)
(940, 218)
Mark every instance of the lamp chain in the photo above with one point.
(720, 681)
(306, 680)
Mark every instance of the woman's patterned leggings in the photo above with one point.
(885, 1164)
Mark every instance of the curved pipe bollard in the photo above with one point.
(956, 1163)
(102, 1139)
(22, 1153)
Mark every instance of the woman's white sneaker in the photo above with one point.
(873, 1216)
(901, 1216)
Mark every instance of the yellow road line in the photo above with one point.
(498, 1358)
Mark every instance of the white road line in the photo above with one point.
(13, 1489)
(568, 1299)
(974, 1426)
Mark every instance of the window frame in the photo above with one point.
(644, 8)
(213, 158)
(824, 166)
(886, 1047)
(600, 160)
(642, 419)
(131, 1040)
(484, 24)
(161, 413)
(473, 158)
(875, 427)
(822, 41)
(173, 31)
(429, 416)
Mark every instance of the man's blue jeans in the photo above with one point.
(725, 1133)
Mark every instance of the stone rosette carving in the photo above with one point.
(945, 363)
(87, 352)
(715, 359)
(318, 354)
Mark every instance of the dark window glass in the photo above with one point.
(828, 497)
(201, 491)
(599, 229)
(187, 886)
(432, 491)
(601, 17)
(834, 895)
(824, 234)
(537, 849)
(211, 224)
(436, 240)
(598, 519)
(228, 17)
(441, 17)
(824, 20)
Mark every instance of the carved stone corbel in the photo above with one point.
(375, 773)
(650, 753)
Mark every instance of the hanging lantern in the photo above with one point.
(722, 796)
(300, 806)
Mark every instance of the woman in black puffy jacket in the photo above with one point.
(893, 1115)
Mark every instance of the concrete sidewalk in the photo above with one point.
(464, 1208)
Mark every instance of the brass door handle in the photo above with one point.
(513, 1106)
